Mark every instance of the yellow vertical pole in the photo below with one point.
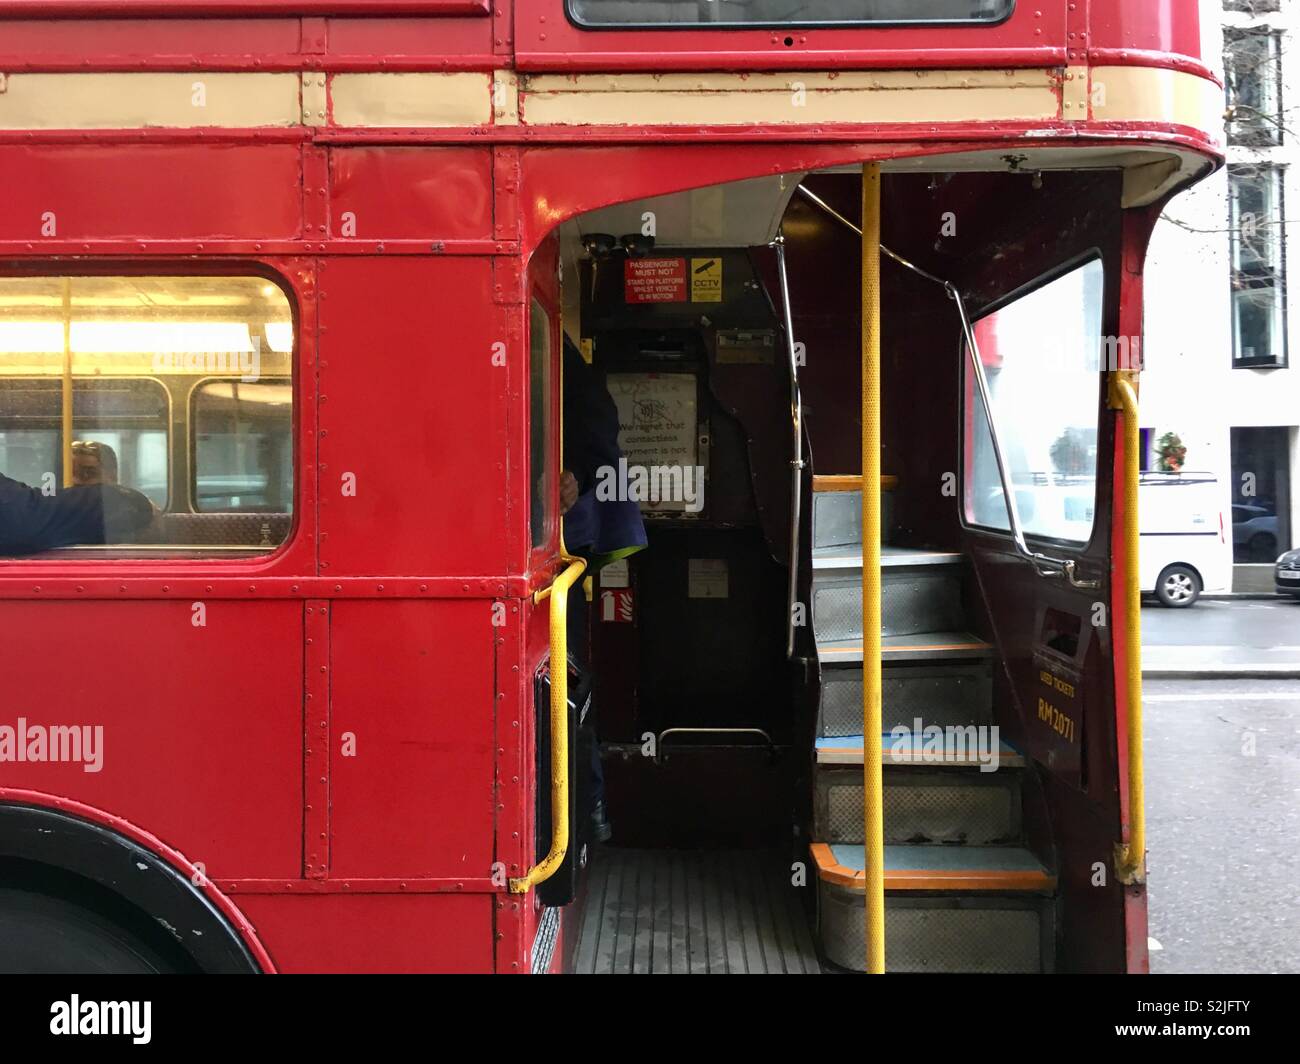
(67, 382)
(1131, 858)
(873, 788)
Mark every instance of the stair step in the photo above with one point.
(958, 935)
(837, 509)
(947, 695)
(922, 806)
(1004, 926)
(988, 869)
(919, 646)
(920, 592)
(910, 750)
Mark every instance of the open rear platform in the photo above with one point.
(702, 913)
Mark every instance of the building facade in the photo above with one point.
(1221, 391)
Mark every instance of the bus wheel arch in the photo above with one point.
(1179, 586)
(119, 898)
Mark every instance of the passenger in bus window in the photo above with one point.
(86, 515)
(93, 463)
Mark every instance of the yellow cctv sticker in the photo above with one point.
(706, 280)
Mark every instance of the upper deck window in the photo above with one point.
(722, 13)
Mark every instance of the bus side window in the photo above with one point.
(542, 472)
(145, 415)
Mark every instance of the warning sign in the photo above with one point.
(654, 281)
(706, 280)
(616, 607)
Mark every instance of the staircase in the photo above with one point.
(962, 891)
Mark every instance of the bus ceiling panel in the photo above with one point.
(739, 214)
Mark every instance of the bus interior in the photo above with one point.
(728, 714)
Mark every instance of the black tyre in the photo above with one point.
(45, 935)
(1179, 586)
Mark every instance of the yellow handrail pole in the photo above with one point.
(558, 593)
(67, 382)
(1130, 858)
(559, 596)
(873, 787)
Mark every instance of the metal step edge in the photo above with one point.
(1027, 877)
(842, 750)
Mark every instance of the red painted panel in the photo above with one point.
(546, 39)
(412, 193)
(151, 8)
(426, 445)
(151, 192)
(1168, 26)
(32, 40)
(374, 933)
(202, 726)
(413, 683)
(412, 36)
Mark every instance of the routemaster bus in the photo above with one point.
(292, 675)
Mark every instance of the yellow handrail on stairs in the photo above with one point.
(1130, 857)
(873, 787)
(559, 595)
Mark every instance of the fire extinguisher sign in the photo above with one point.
(616, 606)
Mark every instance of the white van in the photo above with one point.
(1184, 549)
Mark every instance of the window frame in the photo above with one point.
(192, 441)
(236, 557)
(1262, 277)
(540, 540)
(170, 414)
(966, 412)
(1264, 138)
(605, 27)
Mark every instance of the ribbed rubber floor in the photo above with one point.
(668, 911)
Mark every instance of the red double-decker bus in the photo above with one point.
(306, 666)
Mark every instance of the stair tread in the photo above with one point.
(973, 868)
(849, 556)
(942, 645)
(847, 750)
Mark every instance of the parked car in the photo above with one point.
(1286, 574)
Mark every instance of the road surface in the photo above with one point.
(1223, 821)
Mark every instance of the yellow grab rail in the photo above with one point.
(1130, 857)
(559, 595)
(873, 785)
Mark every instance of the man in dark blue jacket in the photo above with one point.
(600, 530)
(31, 521)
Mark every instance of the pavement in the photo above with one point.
(1223, 814)
(1226, 638)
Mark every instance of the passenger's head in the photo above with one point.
(93, 463)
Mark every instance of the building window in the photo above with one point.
(1258, 266)
(1253, 7)
(1261, 500)
(723, 13)
(1252, 60)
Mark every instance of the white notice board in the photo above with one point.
(658, 424)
